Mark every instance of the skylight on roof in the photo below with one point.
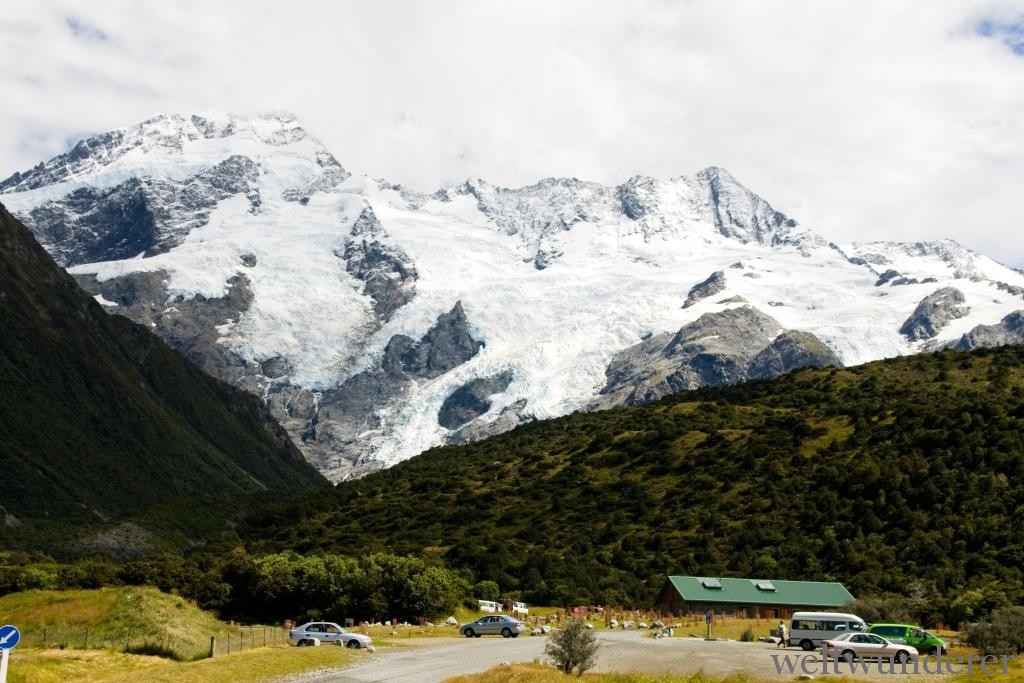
(711, 583)
(764, 585)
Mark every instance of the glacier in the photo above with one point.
(553, 280)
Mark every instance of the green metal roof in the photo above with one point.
(747, 592)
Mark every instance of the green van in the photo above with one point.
(914, 636)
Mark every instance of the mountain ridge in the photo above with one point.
(285, 275)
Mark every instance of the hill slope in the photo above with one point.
(899, 473)
(101, 424)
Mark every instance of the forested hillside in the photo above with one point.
(904, 475)
(110, 441)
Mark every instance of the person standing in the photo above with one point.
(783, 635)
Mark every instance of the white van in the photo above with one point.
(808, 629)
(489, 606)
(519, 609)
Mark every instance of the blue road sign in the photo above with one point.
(707, 617)
(9, 637)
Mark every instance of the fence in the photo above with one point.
(160, 643)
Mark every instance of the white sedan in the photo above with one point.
(327, 633)
(853, 645)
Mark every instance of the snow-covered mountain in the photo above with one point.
(377, 321)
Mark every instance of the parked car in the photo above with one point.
(914, 636)
(851, 646)
(327, 633)
(809, 629)
(489, 606)
(498, 624)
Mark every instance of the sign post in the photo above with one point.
(707, 620)
(10, 636)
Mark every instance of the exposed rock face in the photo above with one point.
(741, 214)
(333, 175)
(935, 312)
(709, 287)
(139, 216)
(446, 345)
(790, 350)
(337, 418)
(471, 400)
(187, 325)
(717, 349)
(388, 273)
(886, 277)
(1009, 330)
(509, 417)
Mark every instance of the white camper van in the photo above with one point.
(808, 629)
(489, 606)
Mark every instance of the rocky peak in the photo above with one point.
(1009, 330)
(714, 284)
(388, 274)
(165, 133)
(740, 214)
(935, 312)
(719, 348)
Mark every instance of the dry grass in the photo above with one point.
(104, 666)
(541, 673)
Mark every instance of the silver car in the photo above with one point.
(496, 624)
(327, 633)
(851, 646)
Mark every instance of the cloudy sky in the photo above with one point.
(863, 120)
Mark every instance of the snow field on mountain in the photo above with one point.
(606, 281)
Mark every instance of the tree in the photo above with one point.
(1002, 634)
(487, 590)
(574, 648)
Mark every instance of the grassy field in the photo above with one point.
(106, 666)
(135, 619)
(1015, 674)
(140, 634)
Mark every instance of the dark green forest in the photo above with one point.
(904, 479)
(904, 475)
(102, 425)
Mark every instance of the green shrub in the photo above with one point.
(1001, 634)
(573, 648)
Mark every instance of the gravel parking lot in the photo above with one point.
(434, 659)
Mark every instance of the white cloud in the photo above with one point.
(866, 120)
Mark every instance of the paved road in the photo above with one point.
(432, 660)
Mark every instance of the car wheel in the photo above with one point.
(477, 635)
(806, 645)
(515, 635)
(352, 643)
(304, 643)
(849, 656)
(902, 657)
(506, 632)
(469, 633)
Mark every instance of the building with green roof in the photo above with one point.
(751, 598)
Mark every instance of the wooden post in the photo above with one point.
(213, 646)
